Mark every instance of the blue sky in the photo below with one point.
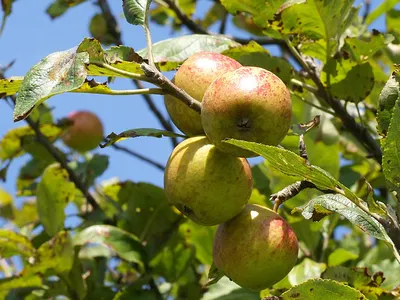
(30, 35)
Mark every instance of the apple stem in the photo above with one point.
(148, 40)
(163, 82)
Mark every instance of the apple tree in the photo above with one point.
(315, 217)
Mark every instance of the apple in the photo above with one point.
(205, 184)
(85, 132)
(194, 76)
(255, 249)
(250, 104)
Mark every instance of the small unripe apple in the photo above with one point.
(250, 104)
(205, 184)
(194, 76)
(255, 249)
(85, 132)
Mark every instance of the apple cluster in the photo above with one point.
(211, 182)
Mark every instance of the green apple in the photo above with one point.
(205, 184)
(255, 249)
(194, 76)
(250, 104)
(85, 132)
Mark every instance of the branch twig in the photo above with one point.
(139, 156)
(359, 132)
(114, 30)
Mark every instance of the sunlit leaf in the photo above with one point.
(340, 256)
(57, 254)
(171, 52)
(314, 289)
(357, 84)
(16, 141)
(10, 86)
(54, 192)
(6, 205)
(292, 164)
(12, 243)
(391, 148)
(387, 99)
(228, 290)
(57, 73)
(326, 204)
(307, 269)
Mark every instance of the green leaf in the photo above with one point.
(56, 255)
(12, 243)
(57, 73)
(135, 11)
(10, 86)
(262, 11)
(148, 214)
(323, 205)
(255, 55)
(75, 278)
(322, 289)
(363, 50)
(307, 269)
(323, 21)
(391, 149)
(6, 205)
(59, 7)
(357, 84)
(53, 194)
(382, 8)
(133, 133)
(15, 282)
(201, 237)
(225, 289)
(340, 256)
(326, 204)
(93, 167)
(173, 259)
(124, 244)
(292, 164)
(359, 278)
(171, 52)
(26, 214)
(17, 140)
(387, 99)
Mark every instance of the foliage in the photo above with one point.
(129, 242)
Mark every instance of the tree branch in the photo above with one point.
(114, 30)
(139, 156)
(44, 141)
(359, 132)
